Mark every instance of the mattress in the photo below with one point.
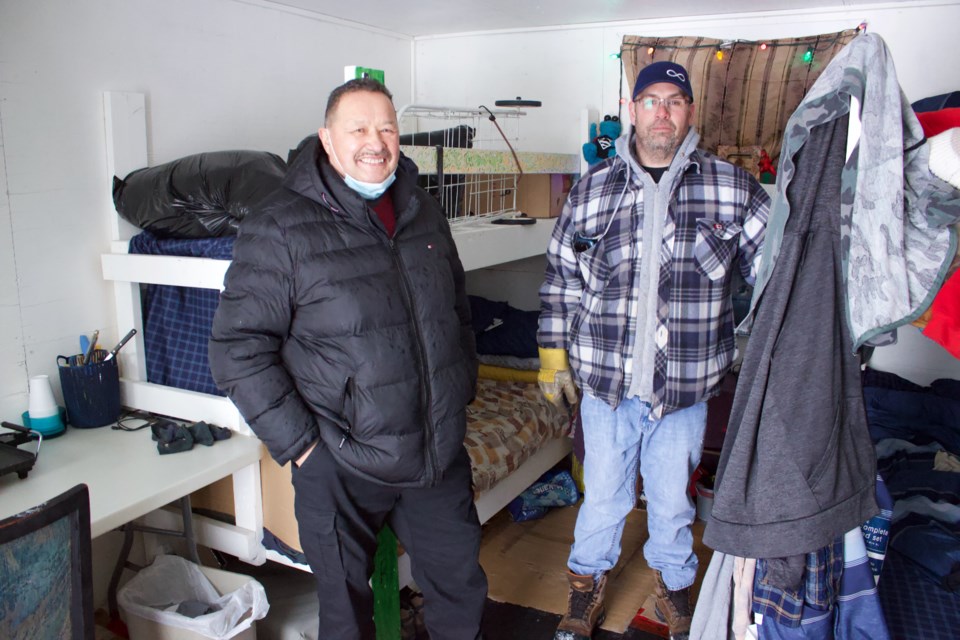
(506, 424)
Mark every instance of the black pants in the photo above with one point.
(339, 517)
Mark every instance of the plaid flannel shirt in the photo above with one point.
(715, 214)
(818, 588)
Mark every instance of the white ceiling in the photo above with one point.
(434, 17)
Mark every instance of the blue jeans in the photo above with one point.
(667, 451)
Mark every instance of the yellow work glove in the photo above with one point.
(555, 377)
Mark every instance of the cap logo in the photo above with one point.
(676, 74)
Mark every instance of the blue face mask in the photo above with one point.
(366, 190)
(370, 190)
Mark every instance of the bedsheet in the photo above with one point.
(506, 424)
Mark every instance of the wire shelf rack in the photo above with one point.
(474, 169)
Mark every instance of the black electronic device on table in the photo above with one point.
(14, 459)
(518, 219)
(517, 102)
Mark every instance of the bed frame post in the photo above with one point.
(125, 126)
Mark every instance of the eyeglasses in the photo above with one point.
(650, 103)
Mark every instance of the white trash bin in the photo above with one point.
(148, 602)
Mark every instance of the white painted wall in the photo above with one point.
(916, 358)
(13, 379)
(217, 74)
(517, 282)
(570, 70)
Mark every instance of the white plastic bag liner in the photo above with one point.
(155, 592)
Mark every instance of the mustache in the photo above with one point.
(659, 125)
(385, 155)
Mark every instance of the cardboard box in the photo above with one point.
(486, 194)
(276, 495)
(216, 497)
(542, 195)
(276, 490)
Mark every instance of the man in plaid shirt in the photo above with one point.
(636, 311)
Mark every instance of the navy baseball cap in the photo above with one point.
(663, 71)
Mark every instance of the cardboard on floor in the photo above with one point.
(526, 564)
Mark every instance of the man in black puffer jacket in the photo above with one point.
(343, 336)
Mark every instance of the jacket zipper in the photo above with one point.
(428, 446)
(346, 394)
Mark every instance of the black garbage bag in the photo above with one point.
(200, 196)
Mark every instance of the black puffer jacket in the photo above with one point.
(329, 329)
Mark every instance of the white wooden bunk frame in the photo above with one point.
(480, 244)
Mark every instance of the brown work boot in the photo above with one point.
(675, 608)
(584, 607)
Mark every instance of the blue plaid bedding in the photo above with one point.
(913, 605)
(925, 528)
(176, 320)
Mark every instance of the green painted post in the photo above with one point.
(386, 587)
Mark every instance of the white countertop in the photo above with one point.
(126, 476)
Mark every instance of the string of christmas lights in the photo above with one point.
(812, 44)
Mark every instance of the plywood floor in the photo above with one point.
(526, 564)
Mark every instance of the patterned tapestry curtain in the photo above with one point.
(744, 99)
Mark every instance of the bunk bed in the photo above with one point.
(500, 416)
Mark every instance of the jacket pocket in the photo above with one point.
(715, 247)
(347, 407)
